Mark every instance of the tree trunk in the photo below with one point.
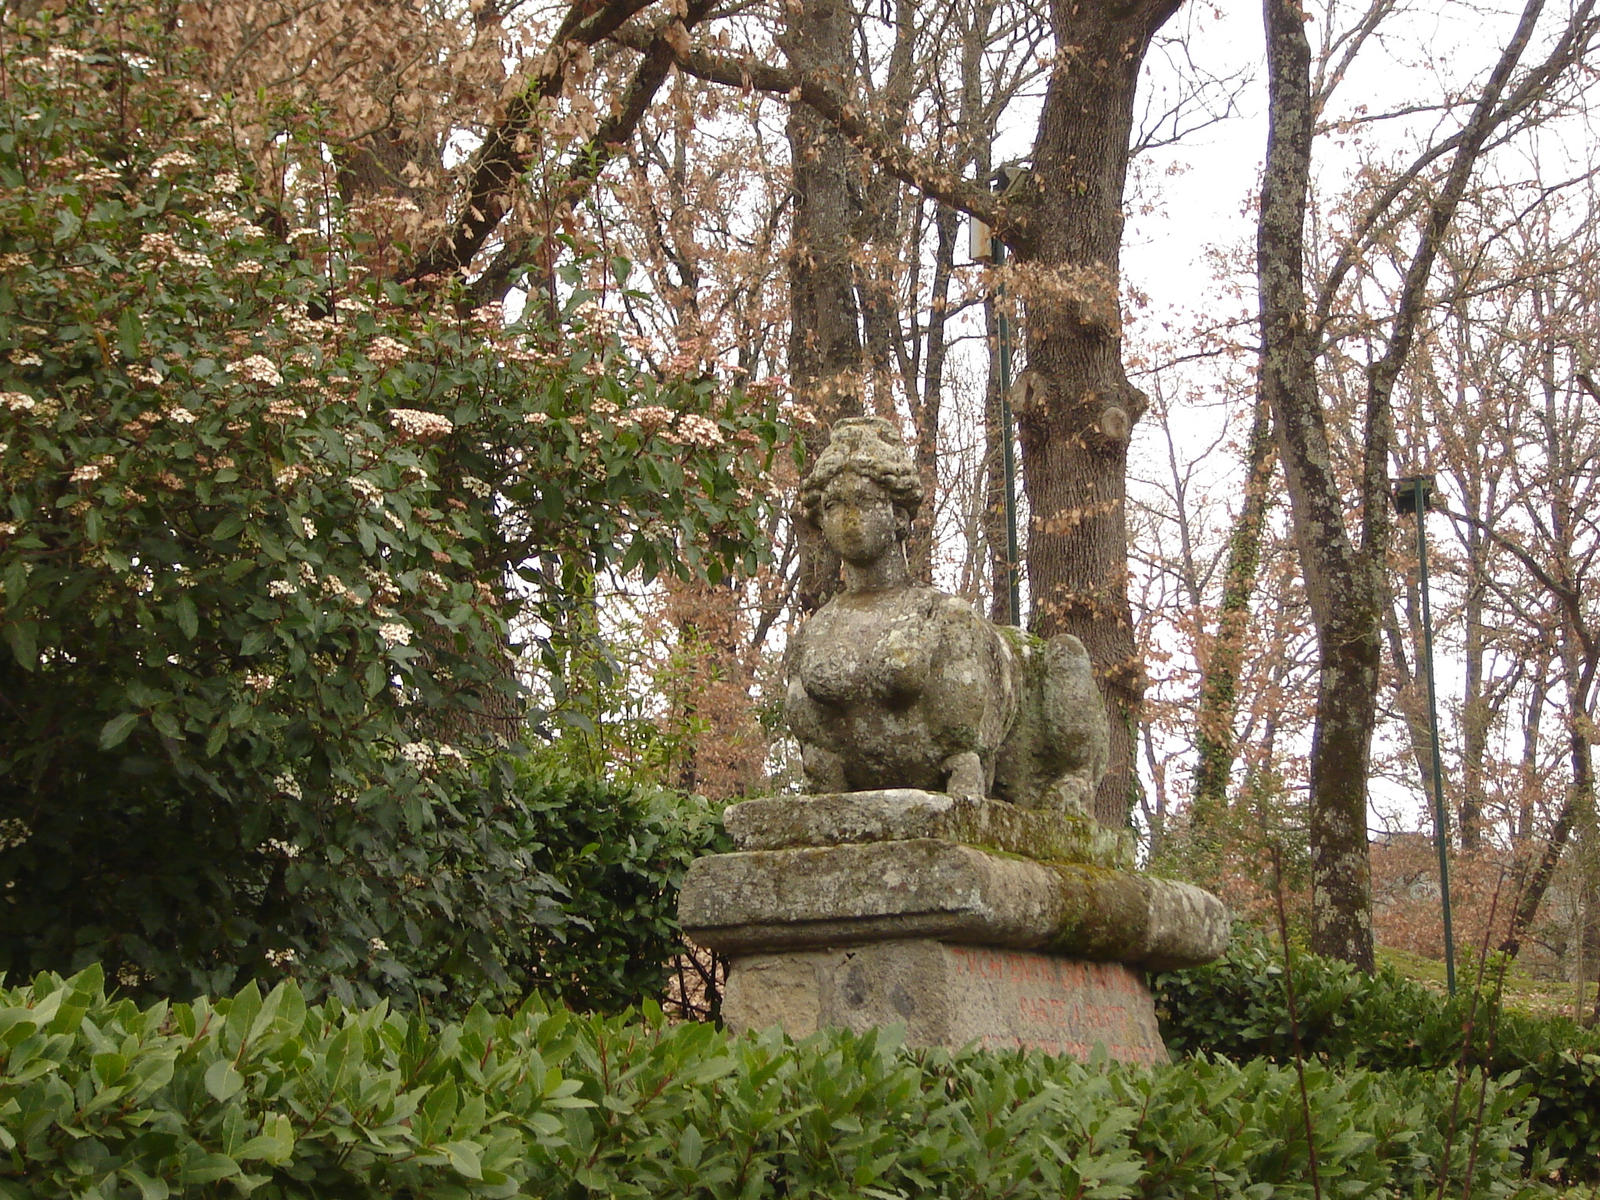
(947, 229)
(825, 351)
(1580, 796)
(1214, 727)
(1074, 433)
(1338, 581)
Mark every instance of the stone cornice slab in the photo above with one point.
(925, 887)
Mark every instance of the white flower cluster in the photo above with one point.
(418, 754)
(385, 351)
(233, 224)
(25, 358)
(365, 488)
(95, 176)
(652, 417)
(396, 633)
(13, 832)
(143, 374)
(279, 588)
(280, 412)
(594, 316)
(282, 958)
(173, 160)
(384, 589)
(476, 487)
(179, 415)
(425, 756)
(256, 369)
(420, 426)
(91, 471)
(279, 846)
(287, 785)
(260, 682)
(376, 945)
(164, 245)
(301, 325)
(695, 430)
(17, 401)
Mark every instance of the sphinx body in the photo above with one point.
(894, 685)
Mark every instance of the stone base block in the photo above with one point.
(950, 995)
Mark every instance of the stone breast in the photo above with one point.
(868, 650)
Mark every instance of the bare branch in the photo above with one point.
(888, 151)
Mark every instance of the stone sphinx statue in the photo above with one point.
(895, 685)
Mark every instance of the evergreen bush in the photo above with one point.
(619, 852)
(1238, 1007)
(267, 1096)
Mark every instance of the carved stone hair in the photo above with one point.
(871, 447)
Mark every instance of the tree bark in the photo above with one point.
(825, 350)
(1340, 584)
(1074, 433)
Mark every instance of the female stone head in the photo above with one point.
(870, 449)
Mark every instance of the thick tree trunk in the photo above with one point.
(1074, 432)
(825, 351)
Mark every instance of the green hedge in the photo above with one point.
(266, 1096)
(618, 853)
(1237, 1007)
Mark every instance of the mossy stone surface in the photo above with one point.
(893, 814)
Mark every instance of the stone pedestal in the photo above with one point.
(965, 921)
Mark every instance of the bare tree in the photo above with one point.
(1345, 572)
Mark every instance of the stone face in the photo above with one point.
(789, 822)
(950, 995)
(929, 888)
(893, 685)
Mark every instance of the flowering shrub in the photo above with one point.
(257, 512)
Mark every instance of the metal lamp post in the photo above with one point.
(986, 246)
(1413, 494)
